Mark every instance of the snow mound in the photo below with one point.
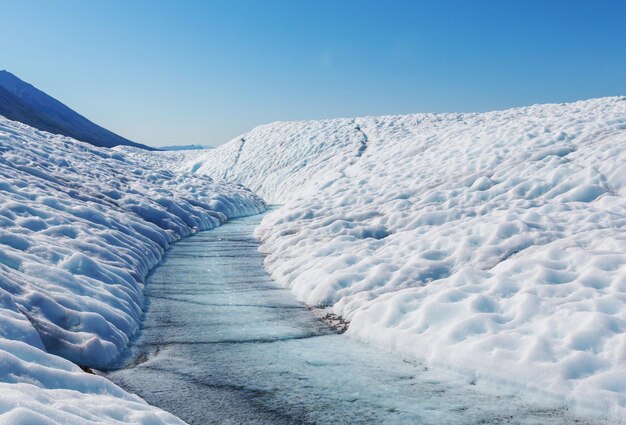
(493, 243)
(80, 227)
(39, 388)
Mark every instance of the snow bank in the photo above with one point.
(80, 227)
(43, 389)
(492, 243)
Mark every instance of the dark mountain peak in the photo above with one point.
(21, 101)
(10, 81)
(15, 85)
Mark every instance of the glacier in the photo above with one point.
(491, 244)
(222, 343)
(81, 227)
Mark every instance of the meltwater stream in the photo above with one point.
(222, 343)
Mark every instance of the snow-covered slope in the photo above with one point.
(80, 227)
(492, 243)
(168, 160)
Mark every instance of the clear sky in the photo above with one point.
(180, 72)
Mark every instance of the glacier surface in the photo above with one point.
(493, 244)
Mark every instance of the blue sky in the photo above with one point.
(169, 72)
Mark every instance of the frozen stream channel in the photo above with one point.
(222, 343)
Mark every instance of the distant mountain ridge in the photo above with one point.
(20, 101)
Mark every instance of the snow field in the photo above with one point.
(493, 244)
(80, 227)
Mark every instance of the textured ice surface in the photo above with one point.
(161, 159)
(222, 343)
(493, 244)
(79, 229)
